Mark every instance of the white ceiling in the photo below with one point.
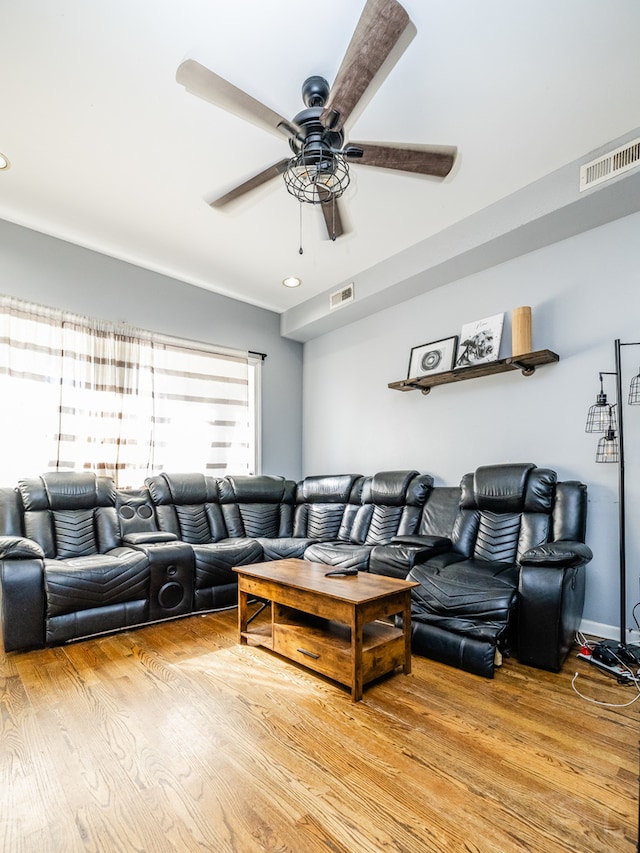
(109, 152)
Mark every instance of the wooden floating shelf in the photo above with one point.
(525, 363)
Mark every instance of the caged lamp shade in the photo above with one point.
(608, 448)
(634, 391)
(598, 416)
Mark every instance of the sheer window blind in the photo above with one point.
(80, 394)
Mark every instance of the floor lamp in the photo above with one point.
(605, 418)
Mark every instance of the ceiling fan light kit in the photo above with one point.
(318, 173)
(314, 179)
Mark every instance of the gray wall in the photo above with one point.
(584, 293)
(52, 272)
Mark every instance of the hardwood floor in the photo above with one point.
(173, 737)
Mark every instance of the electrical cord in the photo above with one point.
(585, 643)
(606, 704)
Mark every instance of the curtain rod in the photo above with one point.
(262, 355)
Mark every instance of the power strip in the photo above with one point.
(623, 674)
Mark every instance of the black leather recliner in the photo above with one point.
(512, 578)
(397, 557)
(189, 506)
(325, 506)
(69, 574)
(391, 504)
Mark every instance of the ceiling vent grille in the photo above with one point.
(342, 297)
(610, 165)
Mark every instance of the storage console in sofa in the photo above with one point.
(500, 560)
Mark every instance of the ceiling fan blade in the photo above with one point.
(434, 160)
(381, 36)
(205, 84)
(332, 218)
(252, 184)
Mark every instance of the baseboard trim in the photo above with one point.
(607, 632)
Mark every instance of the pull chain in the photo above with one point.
(300, 250)
(333, 216)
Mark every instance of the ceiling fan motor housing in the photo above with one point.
(319, 143)
(315, 91)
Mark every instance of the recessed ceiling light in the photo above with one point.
(291, 281)
(4, 161)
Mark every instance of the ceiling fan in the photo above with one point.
(318, 172)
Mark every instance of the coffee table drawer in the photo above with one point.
(317, 649)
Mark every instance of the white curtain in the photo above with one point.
(80, 394)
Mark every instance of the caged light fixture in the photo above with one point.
(317, 175)
(598, 416)
(604, 417)
(608, 446)
(634, 390)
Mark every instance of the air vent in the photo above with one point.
(342, 297)
(610, 165)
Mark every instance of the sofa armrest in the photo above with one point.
(550, 603)
(19, 548)
(22, 579)
(404, 552)
(561, 554)
(149, 537)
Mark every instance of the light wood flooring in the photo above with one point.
(175, 738)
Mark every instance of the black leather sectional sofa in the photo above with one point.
(500, 560)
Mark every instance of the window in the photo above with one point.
(80, 394)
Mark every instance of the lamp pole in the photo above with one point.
(611, 449)
(622, 535)
(622, 523)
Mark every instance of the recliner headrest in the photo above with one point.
(388, 488)
(182, 489)
(67, 490)
(255, 489)
(330, 488)
(498, 488)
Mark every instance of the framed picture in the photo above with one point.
(480, 341)
(435, 357)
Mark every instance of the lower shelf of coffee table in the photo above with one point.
(325, 645)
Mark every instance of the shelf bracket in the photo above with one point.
(525, 369)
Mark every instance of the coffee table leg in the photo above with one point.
(406, 630)
(356, 655)
(242, 616)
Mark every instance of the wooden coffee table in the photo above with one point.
(328, 624)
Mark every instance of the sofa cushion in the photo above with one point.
(187, 505)
(194, 523)
(471, 597)
(284, 548)
(97, 580)
(216, 584)
(74, 533)
(326, 506)
(260, 506)
(343, 555)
